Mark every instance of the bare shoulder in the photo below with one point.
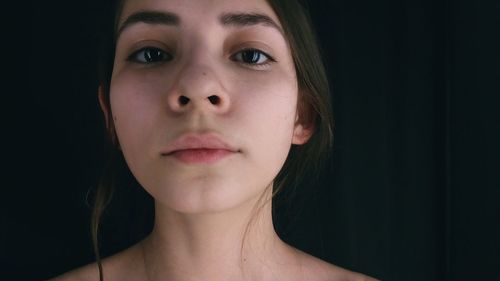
(317, 269)
(114, 267)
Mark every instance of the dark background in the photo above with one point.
(413, 187)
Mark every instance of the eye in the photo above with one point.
(150, 55)
(252, 57)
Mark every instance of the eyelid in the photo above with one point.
(270, 59)
(241, 44)
(147, 44)
(132, 56)
(257, 46)
(252, 45)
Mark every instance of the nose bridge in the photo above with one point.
(197, 77)
(198, 83)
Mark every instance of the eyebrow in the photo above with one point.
(248, 19)
(171, 19)
(149, 17)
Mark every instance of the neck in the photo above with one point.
(238, 244)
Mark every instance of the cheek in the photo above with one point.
(134, 113)
(268, 111)
(271, 102)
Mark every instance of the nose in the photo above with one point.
(198, 87)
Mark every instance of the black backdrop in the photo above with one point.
(411, 192)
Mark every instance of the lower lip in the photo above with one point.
(200, 156)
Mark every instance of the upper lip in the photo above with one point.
(198, 141)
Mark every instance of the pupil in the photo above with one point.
(153, 55)
(250, 56)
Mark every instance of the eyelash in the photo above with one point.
(268, 61)
(165, 56)
(159, 52)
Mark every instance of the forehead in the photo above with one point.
(198, 11)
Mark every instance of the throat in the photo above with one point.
(213, 247)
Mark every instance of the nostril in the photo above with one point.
(183, 100)
(214, 100)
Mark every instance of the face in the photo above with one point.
(204, 98)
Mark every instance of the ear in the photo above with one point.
(105, 110)
(102, 103)
(301, 132)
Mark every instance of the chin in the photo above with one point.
(203, 195)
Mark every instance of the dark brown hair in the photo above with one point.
(314, 107)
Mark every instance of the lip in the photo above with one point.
(199, 148)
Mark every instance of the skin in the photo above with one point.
(212, 221)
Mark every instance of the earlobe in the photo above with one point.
(301, 134)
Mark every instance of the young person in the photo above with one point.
(216, 106)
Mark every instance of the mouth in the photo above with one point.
(200, 155)
(199, 149)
